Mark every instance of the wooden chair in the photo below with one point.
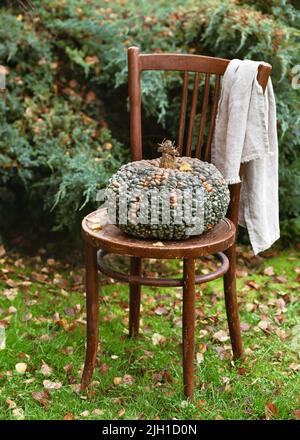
(220, 240)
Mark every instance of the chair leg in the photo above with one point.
(231, 304)
(134, 298)
(188, 326)
(92, 311)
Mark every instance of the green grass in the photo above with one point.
(50, 316)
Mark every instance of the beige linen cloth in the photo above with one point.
(245, 132)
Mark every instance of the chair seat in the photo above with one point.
(98, 233)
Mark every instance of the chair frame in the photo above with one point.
(186, 63)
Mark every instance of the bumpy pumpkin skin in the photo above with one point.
(146, 175)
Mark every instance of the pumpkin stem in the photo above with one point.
(169, 152)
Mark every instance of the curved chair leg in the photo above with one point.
(92, 311)
(231, 304)
(188, 326)
(134, 298)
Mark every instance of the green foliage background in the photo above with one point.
(64, 124)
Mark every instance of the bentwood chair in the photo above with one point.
(219, 241)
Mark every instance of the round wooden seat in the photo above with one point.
(97, 232)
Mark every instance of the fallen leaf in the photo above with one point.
(271, 411)
(296, 414)
(18, 413)
(2, 337)
(294, 366)
(280, 279)
(263, 324)
(117, 380)
(128, 379)
(46, 370)
(242, 371)
(185, 167)
(104, 368)
(10, 294)
(26, 317)
(199, 358)
(21, 367)
(253, 285)
(121, 412)
(49, 385)
(245, 327)
(269, 271)
(250, 307)
(158, 339)
(95, 226)
(202, 333)
(200, 403)
(85, 413)
(69, 416)
(161, 311)
(221, 336)
(11, 404)
(97, 412)
(114, 356)
(42, 397)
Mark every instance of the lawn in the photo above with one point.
(42, 318)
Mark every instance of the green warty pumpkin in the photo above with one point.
(188, 184)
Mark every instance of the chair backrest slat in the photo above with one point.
(188, 149)
(203, 115)
(213, 115)
(181, 62)
(183, 111)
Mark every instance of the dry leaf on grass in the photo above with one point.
(69, 416)
(117, 380)
(10, 294)
(269, 271)
(46, 370)
(158, 339)
(271, 411)
(42, 397)
(128, 379)
(221, 336)
(11, 404)
(49, 385)
(85, 413)
(296, 414)
(161, 310)
(21, 367)
(97, 412)
(121, 412)
(18, 413)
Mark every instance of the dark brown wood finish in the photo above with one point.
(183, 111)
(221, 238)
(112, 239)
(92, 312)
(188, 149)
(134, 297)
(203, 115)
(212, 118)
(162, 282)
(188, 326)
(134, 73)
